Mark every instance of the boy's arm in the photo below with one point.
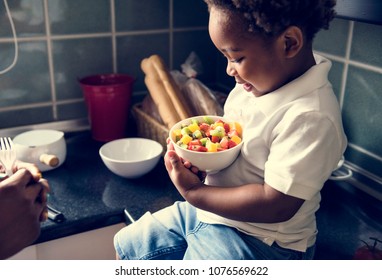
(249, 203)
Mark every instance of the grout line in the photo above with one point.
(88, 35)
(346, 65)
(171, 34)
(23, 39)
(103, 34)
(39, 105)
(81, 36)
(113, 36)
(366, 66)
(351, 62)
(50, 62)
(28, 106)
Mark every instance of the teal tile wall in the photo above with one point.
(30, 20)
(76, 58)
(142, 15)
(62, 40)
(355, 50)
(79, 17)
(146, 45)
(367, 44)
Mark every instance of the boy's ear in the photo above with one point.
(293, 41)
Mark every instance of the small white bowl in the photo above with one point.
(210, 162)
(131, 157)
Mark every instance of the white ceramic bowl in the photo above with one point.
(131, 157)
(207, 161)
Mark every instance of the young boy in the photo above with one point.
(263, 205)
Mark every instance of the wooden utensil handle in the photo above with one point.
(50, 160)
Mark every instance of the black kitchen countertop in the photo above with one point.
(91, 197)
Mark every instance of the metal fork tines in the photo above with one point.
(7, 154)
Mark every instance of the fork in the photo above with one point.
(7, 154)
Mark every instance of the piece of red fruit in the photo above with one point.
(224, 143)
(195, 142)
(231, 144)
(204, 127)
(215, 139)
(197, 148)
(226, 127)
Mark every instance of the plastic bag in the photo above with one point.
(192, 66)
(200, 98)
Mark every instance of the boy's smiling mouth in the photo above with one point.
(247, 87)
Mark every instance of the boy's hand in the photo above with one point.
(183, 174)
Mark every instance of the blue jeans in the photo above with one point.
(176, 233)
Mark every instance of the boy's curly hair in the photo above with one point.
(271, 17)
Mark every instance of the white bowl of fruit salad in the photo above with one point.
(211, 143)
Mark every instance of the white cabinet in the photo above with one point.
(91, 245)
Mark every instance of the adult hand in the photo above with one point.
(23, 205)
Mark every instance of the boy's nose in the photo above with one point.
(230, 70)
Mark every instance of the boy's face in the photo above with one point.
(253, 61)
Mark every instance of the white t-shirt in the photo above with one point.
(293, 140)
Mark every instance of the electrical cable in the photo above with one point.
(14, 40)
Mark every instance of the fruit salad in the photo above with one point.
(208, 135)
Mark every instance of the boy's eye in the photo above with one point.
(236, 60)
